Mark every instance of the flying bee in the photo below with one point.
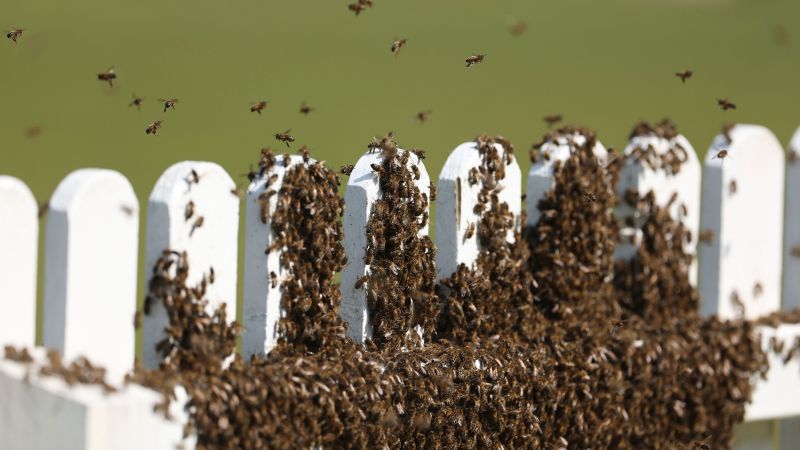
(127, 209)
(517, 27)
(285, 137)
(14, 34)
(137, 319)
(725, 104)
(792, 156)
(189, 211)
(470, 231)
(237, 192)
(419, 152)
(109, 75)
(212, 276)
(685, 75)
(251, 174)
(423, 116)
(732, 187)
(795, 251)
(197, 224)
(706, 236)
(43, 208)
(168, 103)
(258, 106)
(305, 109)
(758, 290)
(273, 278)
(347, 170)
(359, 6)
(397, 44)
(474, 59)
(194, 177)
(722, 154)
(153, 127)
(137, 102)
(552, 120)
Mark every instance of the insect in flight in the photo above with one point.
(423, 116)
(285, 137)
(258, 106)
(305, 109)
(14, 34)
(725, 104)
(109, 75)
(137, 102)
(397, 44)
(685, 75)
(153, 127)
(168, 103)
(474, 59)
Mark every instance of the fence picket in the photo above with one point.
(363, 190)
(90, 268)
(19, 240)
(638, 175)
(740, 266)
(209, 235)
(541, 173)
(456, 197)
(262, 300)
(791, 237)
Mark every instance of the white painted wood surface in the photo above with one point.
(262, 301)
(44, 413)
(455, 201)
(541, 173)
(212, 244)
(363, 190)
(19, 242)
(791, 236)
(90, 269)
(744, 258)
(686, 184)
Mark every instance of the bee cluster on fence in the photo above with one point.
(546, 342)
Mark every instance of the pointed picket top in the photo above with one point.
(791, 236)
(262, 292)
(363, 190)
(91, 254)
(741, 223)
(194, 208)
(19, 241)
(671, 168)
(455, 202)
(541, 174)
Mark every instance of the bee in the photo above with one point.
(552, 120)
(137, 102)
(33, 132)
(423, 116)
(360, 282)
(474, 59)
(251, 174)
(194, 177)
(419, 152)
(732, 187)
(589, 196)
(43, 208)
(197, 224)
(14, 34)
(725, 104)
(470, 231)
(795, 251)
(706, 236)
(168, 103)
(397, 44)
(304, 150)
(517, 27)
(758, 290)
(109, 75)
(153, 127)
(415, 171)
(722, 154)
(189, 211)
(128, 210)
(237, 192)
(378, 169)
(273, 278)
(792, 156)
(359, 6)
(433, 192)
(285, 137)
(685, 75)
(305, 109)
(347, 170)
(474, 174)
(258, 106)
(137, 319)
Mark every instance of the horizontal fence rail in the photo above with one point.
(745, 231)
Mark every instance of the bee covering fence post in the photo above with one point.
(194, 209)
(363, 191)
(659, 159)
(791, 237)
(262, 290)
(90, 269)
(741, 224)
(19, 235)
(457, 196)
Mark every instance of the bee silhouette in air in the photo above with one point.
(109, 75)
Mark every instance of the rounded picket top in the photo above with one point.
(363, 190)
(455, 202)
(90, 269)
(194, 207)
(741, 223)
(541, 174)
(19, 235)
(262, 292)
(681, 178)
(791, 236)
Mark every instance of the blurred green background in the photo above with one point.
(604, 64)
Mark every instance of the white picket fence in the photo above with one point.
(91, 268)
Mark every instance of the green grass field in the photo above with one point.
(604, 64)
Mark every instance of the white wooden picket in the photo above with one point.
(741, 264)
(455, 202)
(262, 291)
(91, 253)
(363, 190)
(193, 208)
(19, 235)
